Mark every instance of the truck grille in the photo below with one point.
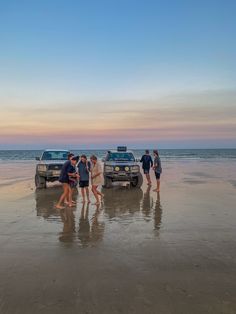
(55, 167)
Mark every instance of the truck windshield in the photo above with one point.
(55, 155)
(119, 156)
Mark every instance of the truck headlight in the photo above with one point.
(117, 168)
(135, 169)
(42, 168)
(126, 168)
(108, 168)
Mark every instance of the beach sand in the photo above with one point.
(139, 253)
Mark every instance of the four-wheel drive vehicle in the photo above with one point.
(121, 165)
(49, 166)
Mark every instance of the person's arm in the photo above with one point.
(151, 161)
(154, 164)
(99, 172)
(141, 160)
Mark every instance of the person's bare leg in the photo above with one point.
(158, 186)
(83, 195)
(63, 196)
(100, 194)
(87, 193)
(94, 190)
(71, 203)
(148, 179)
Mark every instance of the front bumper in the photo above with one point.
(116, 176)
(50, 174)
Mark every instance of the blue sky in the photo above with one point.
(62, 53)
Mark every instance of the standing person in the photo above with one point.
(84, 167)
(157, 168)
(96, 176)
(147, 163)
(67, 172)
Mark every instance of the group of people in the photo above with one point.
(77, 170)
(148, 163)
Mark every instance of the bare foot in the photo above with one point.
(59, 207)
(89, 201)
(72, 205)
(73, 202)
(97, 203)
(155, 190)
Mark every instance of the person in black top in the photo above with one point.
(67, 173)
(157, 169)
(147, 162)
(83, 170)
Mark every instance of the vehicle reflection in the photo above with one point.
(46, 200)
(45, 203)
(120, 200)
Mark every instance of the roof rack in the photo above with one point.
(121, 148)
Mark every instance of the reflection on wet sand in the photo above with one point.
(90, 231)
(157, 213)
(68, 219)
(46, 200)
(121, 200)
(147, 203)
(88, 225)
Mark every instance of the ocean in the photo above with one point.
(173, 154)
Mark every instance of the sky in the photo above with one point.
(96, 74)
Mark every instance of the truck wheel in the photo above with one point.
(107, 183)
(138, 181)
(40, 182)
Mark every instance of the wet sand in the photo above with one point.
(140, 252)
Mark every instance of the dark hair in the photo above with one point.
(147, 151)
(93, 157)
(70, 155)
(83, 156)
(76, 158)
(155, 152)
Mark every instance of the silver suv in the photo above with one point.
(120, 165)
(49, 167)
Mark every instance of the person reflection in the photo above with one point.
(68, 219)
(97, 227)
(147, 202)
(84, 225)
(157, 214)
(90, 231)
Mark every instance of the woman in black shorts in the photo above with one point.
(83, 170)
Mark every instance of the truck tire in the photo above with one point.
(107, 183)
(137, 183)
(40, 182)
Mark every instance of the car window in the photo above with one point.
(55, 155)
(120, 157)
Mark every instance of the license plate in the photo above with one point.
(122, 173)
(56, 173)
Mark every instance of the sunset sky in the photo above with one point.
(80, 74)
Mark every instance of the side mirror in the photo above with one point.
(37, 158)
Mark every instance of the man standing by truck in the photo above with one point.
(147, 163)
